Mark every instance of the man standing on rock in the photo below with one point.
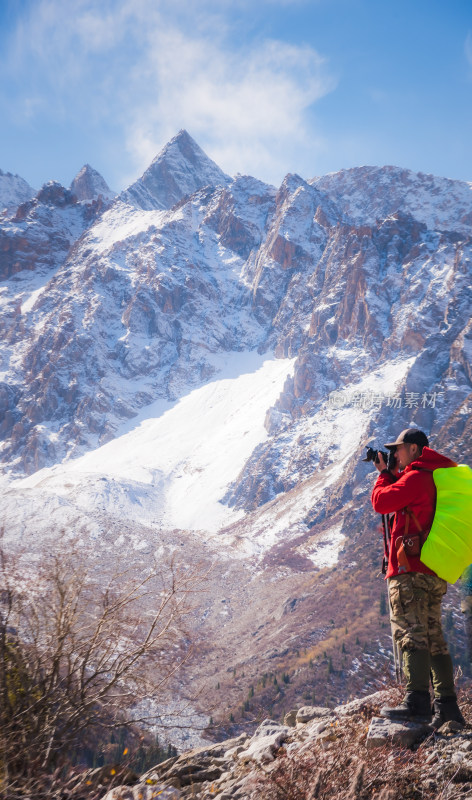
(415, 591)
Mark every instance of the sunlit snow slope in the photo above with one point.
(174, 466)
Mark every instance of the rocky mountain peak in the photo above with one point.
(88, 185)
(289, 186)
(180, 169)
(13, 190)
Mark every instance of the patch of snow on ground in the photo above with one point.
(120, 223)
(30, 300)
(324, 549)
(177, 722)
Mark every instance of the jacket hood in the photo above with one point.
(430, 460)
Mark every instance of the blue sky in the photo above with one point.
(265, 87)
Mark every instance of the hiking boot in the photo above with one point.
(446, 710)
(415, 707)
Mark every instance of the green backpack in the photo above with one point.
(448, 548)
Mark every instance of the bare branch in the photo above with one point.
(74, 655)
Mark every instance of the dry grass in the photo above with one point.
(345, 770)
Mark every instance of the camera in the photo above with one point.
(373, 455)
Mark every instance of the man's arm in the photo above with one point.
(389, 495)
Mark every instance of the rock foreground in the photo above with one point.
(323, 753)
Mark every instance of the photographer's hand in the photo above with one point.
(380, 463)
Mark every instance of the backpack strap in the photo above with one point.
(410, 514)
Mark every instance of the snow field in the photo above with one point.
(175, 467)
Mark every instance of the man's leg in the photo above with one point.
(442, 670)
(409, 618)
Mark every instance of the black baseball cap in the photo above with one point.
(410, 436)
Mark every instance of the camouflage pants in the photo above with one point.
(415, 612)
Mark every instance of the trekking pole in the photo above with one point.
(397, 659)
(398, 662)
(397, 651)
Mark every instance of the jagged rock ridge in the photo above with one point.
(368, 194)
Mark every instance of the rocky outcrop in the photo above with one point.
(383, 732)
(239, 214)
(325, 747)
(53, 194)
(38, 237)
(9, 397)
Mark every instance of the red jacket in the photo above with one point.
(414, 487)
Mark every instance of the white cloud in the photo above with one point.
(247, 106)
(153, 69)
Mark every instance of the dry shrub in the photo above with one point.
(78, 655)
(345, 770)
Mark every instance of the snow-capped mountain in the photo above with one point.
(132, 304)
(201, 361)
(89, 185)
(178, 171)
(13, 191)
(143, 303)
